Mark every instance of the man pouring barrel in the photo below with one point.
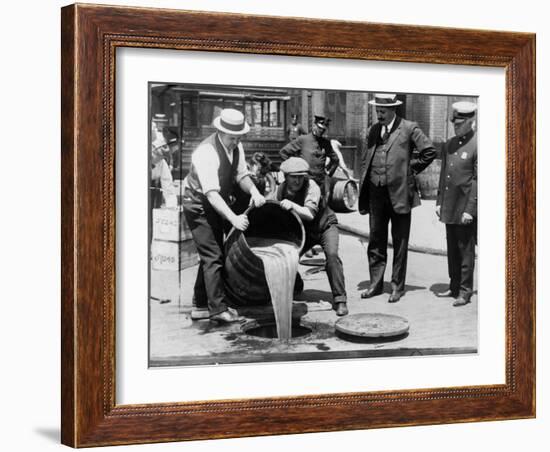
(217, 164)
(302, 195)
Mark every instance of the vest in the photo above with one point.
(226, 173)
(377, 171)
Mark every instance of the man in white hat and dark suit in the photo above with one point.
(388, 190)
(456, 204)
(217, 164)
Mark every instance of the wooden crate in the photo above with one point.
(173, 256)
(170, 225)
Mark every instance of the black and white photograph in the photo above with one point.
(292, 224)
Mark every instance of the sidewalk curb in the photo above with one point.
(412, 247)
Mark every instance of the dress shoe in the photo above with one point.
(341, 308)
(371, 292)
(395, 296)
(461, 301)
(229, 316)
(446, 293)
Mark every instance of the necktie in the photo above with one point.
(386, 134)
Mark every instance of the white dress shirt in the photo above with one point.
(206, 162)
(388, 127)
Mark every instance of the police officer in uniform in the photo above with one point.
(388, 190)
(217, 165)
(456, 204)
(303, 196)
(314, 149)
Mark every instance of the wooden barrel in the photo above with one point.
(244, 273)
(343, 195)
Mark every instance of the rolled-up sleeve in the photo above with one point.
(242, 170)
(313, 197)
(206, 162)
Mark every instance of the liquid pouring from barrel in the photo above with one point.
(275, 236)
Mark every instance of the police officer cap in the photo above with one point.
(321, 121)
(295, 166)
(463, 110)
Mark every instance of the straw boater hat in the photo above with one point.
(231, 121)
(463, 110)
(385, 100)
(295, 165)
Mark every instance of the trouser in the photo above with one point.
(461, 247)
(380, 214)
(207, 229)
(328, 239)
(323, 181)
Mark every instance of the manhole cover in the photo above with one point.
(372, 325)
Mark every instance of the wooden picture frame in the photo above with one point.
(90, 37)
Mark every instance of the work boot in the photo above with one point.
(341, 308)
(395, 296)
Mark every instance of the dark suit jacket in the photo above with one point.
(405, 137)
(458, 179)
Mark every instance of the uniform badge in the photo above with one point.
(464, 155)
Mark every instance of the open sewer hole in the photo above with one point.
(269, 330)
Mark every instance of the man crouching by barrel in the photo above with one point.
(216, 165)
(303, 196)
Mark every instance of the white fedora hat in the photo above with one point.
(231, 121)
(385, 100)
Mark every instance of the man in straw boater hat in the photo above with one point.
(456, 204)
(303, 196)
(216, 165)
(388, 190)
